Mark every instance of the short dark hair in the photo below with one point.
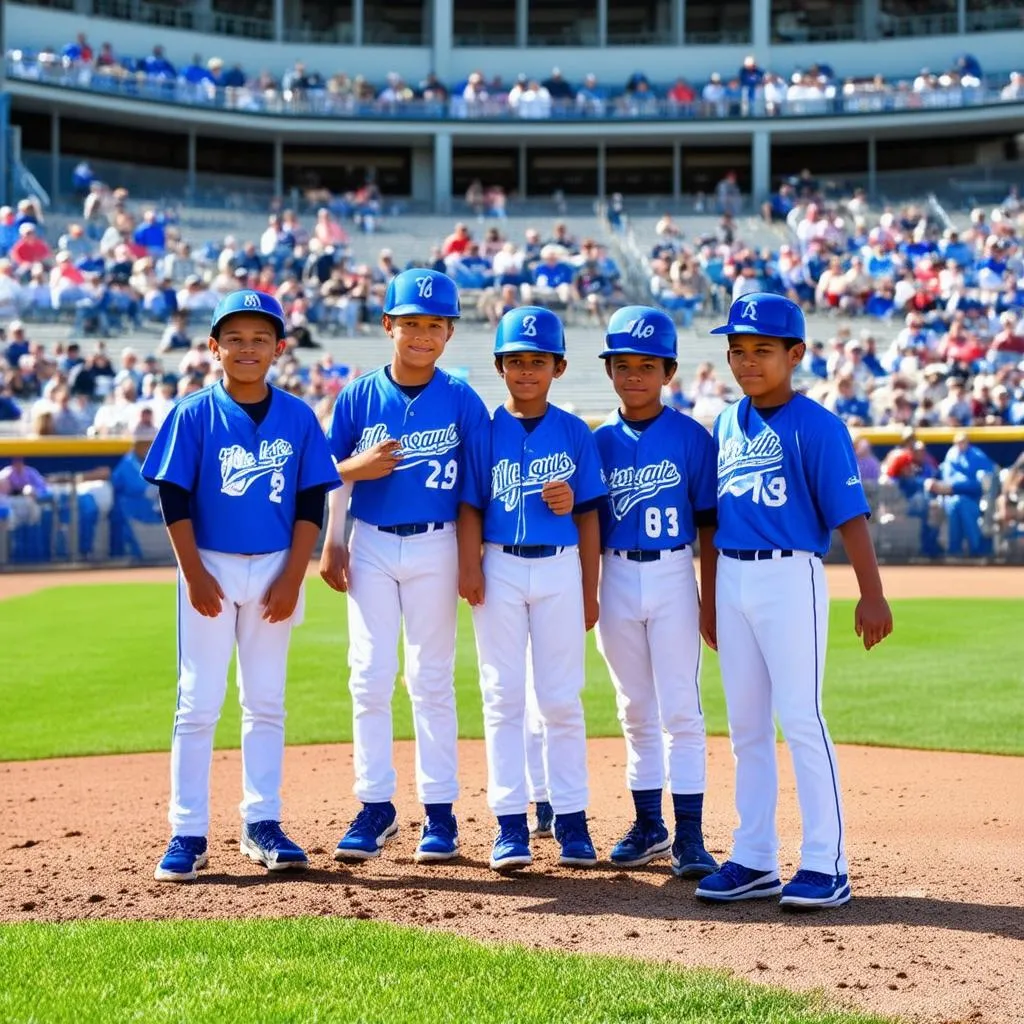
(671, 365)
(499, 360)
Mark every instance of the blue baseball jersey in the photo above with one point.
(510, 466)
(787, 481)
(243, 478)
(426, 485)
(657, 478)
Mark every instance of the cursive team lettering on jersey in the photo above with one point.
(753, 465)
(417, 445)
(630, 485)
(240, 468)
(509, 486)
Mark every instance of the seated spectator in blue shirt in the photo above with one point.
(82, 178)
(151, 233)
(961, 482)
(881, 303)
(781, 204)
(552, 278)
(470, 269)
(849, 406)
(952, 248)
(197, 72)
(156, 65)
(18, 345)
(967, 64)
(234, 77)
(10, 411)
(879, 263)
(135, 499)
(591, 99)
(815, 361)
(870, 355)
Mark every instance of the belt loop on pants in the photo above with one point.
(763, 555)
(411, 529)
(532, 550)
(642, 555)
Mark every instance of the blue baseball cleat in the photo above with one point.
(371, 828)
(645, 841)
(265, 843)
(544, 821)
(689, 858)
(184, 857)
(439, 840)
(732, 882)
(813, 890)
(574, 838)
(511, 848)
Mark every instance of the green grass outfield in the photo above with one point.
(307, 970)
(91, 669)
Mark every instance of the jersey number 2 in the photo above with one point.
(276, 486)
(653, 522)
(450, 471)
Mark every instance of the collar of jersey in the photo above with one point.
(518, 419)
(385, 372)
(238, 416)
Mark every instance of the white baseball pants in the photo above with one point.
(205, 647)
(772, 635)
(409, 582)
(540, 601)
(533, 730)
(649, 634)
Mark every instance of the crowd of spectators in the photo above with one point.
(750, 91)
(123, 264)
(928, 320)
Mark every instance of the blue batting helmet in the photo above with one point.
(529, 329)
(640, 331)
(774, 316)
(424, 292)
(248, 301)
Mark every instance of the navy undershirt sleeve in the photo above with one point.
(175, 503)
(589, 506)
(309, 505)
(705, 517)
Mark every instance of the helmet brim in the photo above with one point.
(632, 351)
(413, 309)
(513, 347)
(747, 329)
(279, 325)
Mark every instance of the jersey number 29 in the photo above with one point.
(655, 521)
(450, 473)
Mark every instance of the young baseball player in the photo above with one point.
(532, 497)
(787, 477)
(660, 469)
(242, 469)
(397, 435)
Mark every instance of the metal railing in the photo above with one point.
(328, 103)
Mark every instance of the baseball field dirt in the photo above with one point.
(935, 931)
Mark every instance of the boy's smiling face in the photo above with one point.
(246, 346)
(419, 339)
(528, 375)
(763, 367)
(638, 380)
